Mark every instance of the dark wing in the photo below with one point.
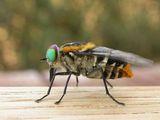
(122, 56)
(119, 55)
(76, 47)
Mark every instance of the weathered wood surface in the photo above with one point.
(83, 103)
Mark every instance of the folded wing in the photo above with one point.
(122, 56)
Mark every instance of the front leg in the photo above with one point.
(50, 86)
(52, 77)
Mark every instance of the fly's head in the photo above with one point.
(52, 55)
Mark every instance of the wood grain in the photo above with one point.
(80, 103)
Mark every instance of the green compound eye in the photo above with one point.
(51, 55)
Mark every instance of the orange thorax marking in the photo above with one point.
(80, 47)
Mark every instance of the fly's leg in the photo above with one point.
(107, 91)
(52, 77)
(51, 73)
(50, 86)
(109, 84)
(77, 81)
(65, 89)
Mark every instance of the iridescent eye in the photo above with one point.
(50, 55)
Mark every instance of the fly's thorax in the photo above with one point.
(68, 61)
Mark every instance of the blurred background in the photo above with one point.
(28, 27)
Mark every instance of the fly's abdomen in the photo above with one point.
(117, 69)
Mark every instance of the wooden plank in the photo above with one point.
(142, 103)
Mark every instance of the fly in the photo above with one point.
(92, 61)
